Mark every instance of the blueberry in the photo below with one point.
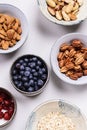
(35, 78)
(15, 77)
(39, 63)
(21, 72)
(30, 59)
(21, 61)
(35, 74)
(26, 59)
(40, 72)
(24, 64)
(19, 85)
(44, 70)
(34, 59)
(17, 65)
(24, 78)
(36, 88)
(30, 89)
(16, 82)
(31, 82)
(44, 77)
(26, 85)
(37, 68)
(27, 73)
(33, 70)
(14, 72)
(22, 67)
(19, 77)
(28, 68)
(40, 83)
(30, 76)
(32, 64)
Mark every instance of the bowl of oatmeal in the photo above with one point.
(56, 115)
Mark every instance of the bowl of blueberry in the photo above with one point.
(29, 75)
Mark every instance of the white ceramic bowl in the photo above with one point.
(14, 11)
(55, 51)
(81, 16)
(61, 106)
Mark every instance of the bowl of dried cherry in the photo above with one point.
(29, 75)
(8, 107)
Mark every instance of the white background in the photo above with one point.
(42, 35)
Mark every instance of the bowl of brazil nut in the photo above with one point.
(64, 12)
(69, 58)
(13, 28)
(29, 75)
(8, 107)
(56, 115)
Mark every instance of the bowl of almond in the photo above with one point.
(64, 12)
(69, 58)
(13, 28)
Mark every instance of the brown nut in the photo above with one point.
(84, 64)
(64, 47)
(85, 72)
(69, 65)
(63, 69)
(77, 44)
(5, 45)
(61, 63)
(10, 33)
(74, 76)
(51, 11)
(60, 56)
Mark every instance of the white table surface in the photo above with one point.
(42, 35)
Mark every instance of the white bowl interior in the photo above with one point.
(14, 11)
(81, 15)
(55, 50)
(57, 106)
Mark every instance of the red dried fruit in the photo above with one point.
(1, 99)
(7, 102)
(1, 115)
(7, 116)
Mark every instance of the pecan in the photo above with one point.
(66, 53)
(79, 60)
(79, 74)
(63, 69)
(64, 47)
(60, 56)
(85, 72)
(61, 63)
(84, 64)
(69, 65)
(74, 76)
(77, 68)
(72, 52)
(77, 44)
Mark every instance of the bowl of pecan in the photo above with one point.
(69, 58)
(64, 12)
(13, 28)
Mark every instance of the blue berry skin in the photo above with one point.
(39, 63)
(43, 70)
(30, 76)
(30, 89)
(21, 61)
(33, 70)
(19, 77)
(16, 82)
(24, 64)
(35, 78)
(14, 72)
(15, 77)
(35, 74)
(26, 59)
(19, 85)
(31, 83)
(27, 68)
(40, 72)
(24, 79)
(36, 88)
(17, 65)
(30, 60)
(32, 65)
(26, 85)
(34, 59)
(37, 68)
(27, 73)
(40, 83)
(21, 73)
(44, 77)
(22, 67)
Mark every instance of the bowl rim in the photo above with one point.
(66, 23)
(27, 30)
(15, 107)
(51, 101)
(35, 92)
(73, 82)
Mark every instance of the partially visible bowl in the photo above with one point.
(55, 50)
(17, 13)
(29, 75)
(8, 105)
(81, 16)
(61, 107)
